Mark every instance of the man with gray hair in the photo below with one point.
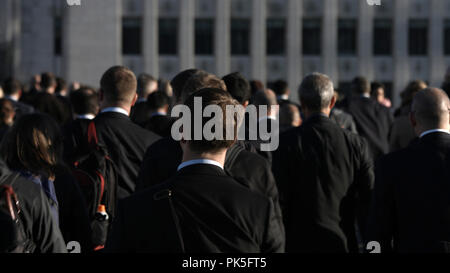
(411, 208)
(324, 175)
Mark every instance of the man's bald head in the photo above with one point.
(430, 110)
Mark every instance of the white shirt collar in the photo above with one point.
(199, 161)
(366, 96)
(87, 116)
(434, 131)
(267, 117)
(13, 98)
(156, 114)
(283, 97)
(115, 110)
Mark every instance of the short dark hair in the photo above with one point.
(316, 92)
(84, 101)
(7, 110)
(34, 144)
(201, 80)
(376, 85)
(280, 87)
(238, 86)
(360, 85)
(119, 84)
(180, 81)
(221, 98)
(256, 86)
(48, 80)
(11, 86)
(143, 81)
(60, 85)
(157, 100)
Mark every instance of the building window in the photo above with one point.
(131, 36)
(168, 36)
(418, 37)
(57, 28)
(447, 37)
(240, 36)
(312, 37)
(347, 43)
(276, 36)
(204, 36)
(382, 37)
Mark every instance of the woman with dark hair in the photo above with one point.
(33, 147)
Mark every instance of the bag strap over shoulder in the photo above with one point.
(166, 194)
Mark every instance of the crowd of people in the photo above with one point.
(100, 167)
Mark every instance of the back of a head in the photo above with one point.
(164, 86)
(201, 80)
(316, 92)
(265, 98)
(48, 80)
(238, 86)
(11, 86)
(61, 86)
(375, 86)
(33, 144)
(144, 82)
(7, 111)
(431, 108)
(289, 114)
(280, 87)
(411, 90)
(222, 99)
(84, 101)
(158, 100)
(360, 86)
(256, 86)
(119, 85)
(180, 81)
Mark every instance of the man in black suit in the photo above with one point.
(146, 86)
(411, 208)
(324, 174)
(341, 118)
(163, 157)
(240, 89)
(85, 107)
(159, 123)
(125, 141)
(373, 120)
(282, 91)
(267, 121)
(47, 102)
(13, 91)
(201, 209)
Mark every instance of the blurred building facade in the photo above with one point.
(264, 39)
